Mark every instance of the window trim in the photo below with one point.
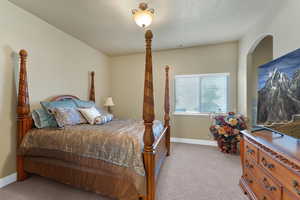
(228, 100)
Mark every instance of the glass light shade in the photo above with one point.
(109, 102)
(143, 18)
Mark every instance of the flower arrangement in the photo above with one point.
(226, 130)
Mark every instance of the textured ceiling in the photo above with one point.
(107, 25)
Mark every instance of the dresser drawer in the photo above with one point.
(285, 176)
(256, 187)
(250, 165)
(288, 196)
(268, 184)
(251, 151)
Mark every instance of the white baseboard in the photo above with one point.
(8, 180)
(194, 141)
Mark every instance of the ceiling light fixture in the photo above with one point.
(143, 16)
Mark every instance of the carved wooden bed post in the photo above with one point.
(92, 89)
(167, 111)
(24, 120)
(148, 116)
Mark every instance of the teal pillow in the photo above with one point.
(49, 106)
(84, 104)
(157, 128)
(42, 119)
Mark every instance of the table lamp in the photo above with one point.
(108, 103)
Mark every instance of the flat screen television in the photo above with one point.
(278, 98)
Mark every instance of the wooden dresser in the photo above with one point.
(271, 166)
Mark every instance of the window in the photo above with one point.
(203, 93)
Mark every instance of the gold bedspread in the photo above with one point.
(118, 142)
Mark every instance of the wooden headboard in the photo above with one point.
(63, 97)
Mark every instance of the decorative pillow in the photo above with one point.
(42, 119)
(104, 118)
(68, 116)
(49, 106)
(157, 127)
(86, 104)
(90, 114)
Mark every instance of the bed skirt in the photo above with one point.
(115, 185)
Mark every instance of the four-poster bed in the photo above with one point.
(154, 152)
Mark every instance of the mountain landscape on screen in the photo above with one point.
(279, 91)
(278, 100)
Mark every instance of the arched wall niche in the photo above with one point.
(258, 41)
(261, 52)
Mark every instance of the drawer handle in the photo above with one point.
(248, 180)
(264, 198)
(266, 164)
(268, 186)
(296, 186)
(248, 165)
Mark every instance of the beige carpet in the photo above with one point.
(193, 172)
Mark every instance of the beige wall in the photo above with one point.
(127, 75)
(57, 64)
(284, 26)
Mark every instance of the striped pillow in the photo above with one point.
(104, 118)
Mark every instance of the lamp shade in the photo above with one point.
(109, 102)
(143, 18)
